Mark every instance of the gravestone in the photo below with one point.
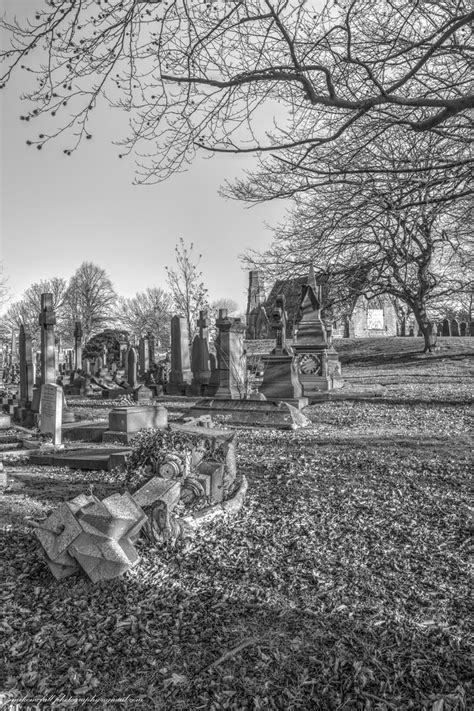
(78, 345)
(454, 327)
(151, 348)
(144, 356)
(51, 410)
(200, 364)
(27, 373)
(280, 377)
(180, 373)
(123, 345)
(463, 328)
(446, 328)
(231, 370)
(99, 366)
(132, 367)
(439, 329)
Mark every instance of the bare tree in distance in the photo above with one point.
(91, 298)
(148, 311)
(27, 309)
(186, 285)
(201, 76)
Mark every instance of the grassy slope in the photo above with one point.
(342, 584)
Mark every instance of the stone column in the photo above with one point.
(78, 345)
(231, 359)
(14, 353)
(151, 349)
(180, 374)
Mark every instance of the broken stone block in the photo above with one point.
(156, 489)
(58, 531)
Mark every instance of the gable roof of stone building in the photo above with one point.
(291, 288)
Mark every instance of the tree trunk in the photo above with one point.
(426, 327)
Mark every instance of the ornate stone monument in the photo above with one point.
(312, 346)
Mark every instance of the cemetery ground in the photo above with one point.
(342, 583)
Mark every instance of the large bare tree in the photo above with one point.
(255, 76)
(390, 234)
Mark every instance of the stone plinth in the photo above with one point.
(254, 413)
(125, 422)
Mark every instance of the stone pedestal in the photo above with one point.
(231, 359)
(125, 422)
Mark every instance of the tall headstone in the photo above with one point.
(280, 377)
(27, 371)
(99, 366)
(132, 367)
(123, 345)
(439, 329)
(78, 345)
(14, 350)
(47, 321)
(151, 348)
(180, 373)
(231, 357)
(144, 356)
(51, 409)
(200, 364)
(454, 327)
(446, 327)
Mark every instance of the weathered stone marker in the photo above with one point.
(78, 345)
(51, 410)
(180, 374)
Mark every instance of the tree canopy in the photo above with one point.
(256, 76)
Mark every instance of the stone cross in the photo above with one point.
(47, 321)
(78, 345)
(200, 364)
(27, 371)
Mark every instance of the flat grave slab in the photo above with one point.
(93, 459)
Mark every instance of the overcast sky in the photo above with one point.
(58, 211)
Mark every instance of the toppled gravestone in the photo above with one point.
(185, 489)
